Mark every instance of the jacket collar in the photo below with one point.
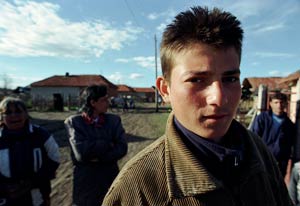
(186, 176)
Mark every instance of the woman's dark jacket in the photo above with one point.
(28, 161)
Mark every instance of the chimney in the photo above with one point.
(67, 74)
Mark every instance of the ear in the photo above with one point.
(92, 103)
(163, 87)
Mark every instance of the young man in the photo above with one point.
(205, 157)
(277, 130)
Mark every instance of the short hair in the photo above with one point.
(278, 95)
(93, 92)
(11, 101)
(214, 27)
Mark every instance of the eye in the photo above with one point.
(197, 79)
(7, 112)
(231, 79)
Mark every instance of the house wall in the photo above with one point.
(147, 97)
(293, 103)
(43, 96)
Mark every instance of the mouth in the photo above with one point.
(215, 116)
(16, 123)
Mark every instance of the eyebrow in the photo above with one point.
(232, 72)
(226, 73)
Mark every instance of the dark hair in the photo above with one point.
(214, 27)
(278, 95)
(93, 92)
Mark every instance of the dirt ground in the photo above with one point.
(142, 128)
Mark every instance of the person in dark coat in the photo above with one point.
(29, 157)
(276, 129)
(97, 142)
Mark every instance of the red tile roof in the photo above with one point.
(124, 88)
(73, 81)
(273, 83)
(144, 89)
(292, 78)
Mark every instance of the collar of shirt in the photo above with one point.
(97, 121)
(208, 148)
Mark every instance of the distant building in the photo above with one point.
(125, 91)
(144, 94)
(64, 90)
(292, 80)
(273, 83)
(287, 85)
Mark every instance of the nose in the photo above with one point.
(216, 95)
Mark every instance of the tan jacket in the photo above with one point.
(167, 173)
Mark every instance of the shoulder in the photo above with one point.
(73, 118)
(37, 129)
(254, 138)
(297, 165)
(265, 114)
(111, 116)
(142, 170)
(112, 120)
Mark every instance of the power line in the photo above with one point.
(132, 13)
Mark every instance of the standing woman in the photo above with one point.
(97, 142)
(29, 157)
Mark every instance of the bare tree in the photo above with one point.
(6, 83)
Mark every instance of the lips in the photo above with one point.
(215, 116)
(15, 122)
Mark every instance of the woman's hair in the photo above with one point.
(11, 101)
(93, 92)
(198, 25)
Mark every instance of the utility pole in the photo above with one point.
(156, 90)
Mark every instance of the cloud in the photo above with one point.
(167, 17)
(145, 62)
(270, 16)
(136, 76)
(274, 54)
(278, 73)
(274, 73)
(272, 28)
(116, 77)
(244, 8)
(165, 14)
(161, 27)
(35, 29)
(122, 60)
(152, 16)
(255, 63)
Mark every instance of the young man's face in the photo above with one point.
(277, 106)
(204, 89)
